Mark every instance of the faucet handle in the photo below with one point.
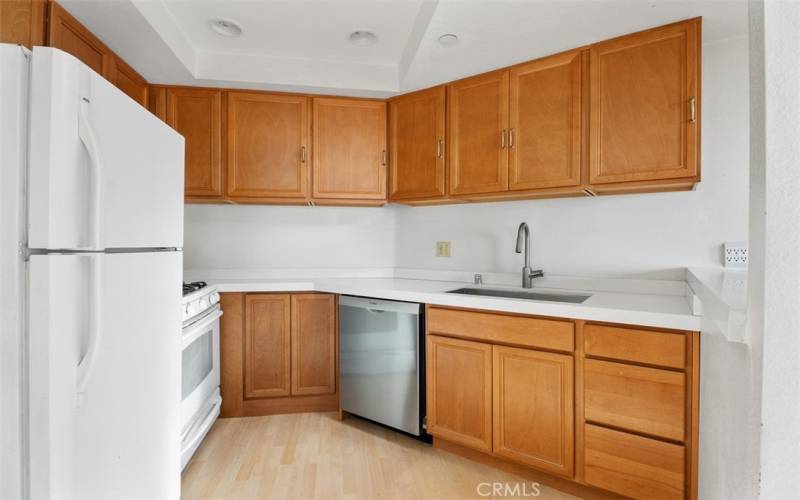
(537, 273)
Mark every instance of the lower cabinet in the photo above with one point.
(278, 353)
(460, 391)
(609, 407)
(514, 403)
(533, 408)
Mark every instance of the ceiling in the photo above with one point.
(299, 45)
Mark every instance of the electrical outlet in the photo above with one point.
(443, 249)
(735, 254)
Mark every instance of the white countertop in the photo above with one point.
(723, 300)
(616, 301)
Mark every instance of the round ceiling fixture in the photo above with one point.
(362, 38)
(448, 40)
(226, 27)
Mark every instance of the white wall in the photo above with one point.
(775, 221)
(651, 235)
(263, 237)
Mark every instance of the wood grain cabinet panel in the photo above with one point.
(267, 345)
(349, 149)
(23, 22)
(533, 408)
(267, 146)
(416, 145)
(650, 347)
(231, 354)
(460, 391)
(477, 140)
(197, 115)
(313, 344)
(544, 141)
(634, 466)
(645, 106)
(544, 333)
(127, 80)
(635, 398)
(69, 35)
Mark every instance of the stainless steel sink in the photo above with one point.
(520, 294)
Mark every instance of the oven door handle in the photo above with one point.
(194, 331)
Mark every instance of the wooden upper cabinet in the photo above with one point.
(68, 34)
(267, 146)
(645, 106)
(267, 345)
(416, 145)
(459, 385)
(23, 22)
(545, 131)
(477, 142)
(128, 80)
(349, 149)
(533, 408)
(313, 344)
(196, 114)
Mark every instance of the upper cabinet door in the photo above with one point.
(69, 35)
(544, 138)
(196, 114)
(416, 143)
(645, 106)
(127, 80)
(23, 22)
(349, 149)
(267, 146)
(478, 135)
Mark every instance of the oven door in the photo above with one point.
(200, 365)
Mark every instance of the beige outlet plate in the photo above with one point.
(443, 249)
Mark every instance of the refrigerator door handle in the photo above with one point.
(89, 140)
(95, 318)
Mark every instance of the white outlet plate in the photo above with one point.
(735, 254)
(443, 249)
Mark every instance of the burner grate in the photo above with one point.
(193, 286)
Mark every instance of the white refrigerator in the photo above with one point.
(91, 205)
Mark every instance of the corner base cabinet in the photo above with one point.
(278, 353)
(608, 408)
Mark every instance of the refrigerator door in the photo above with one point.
(104, 372)
(104, 172)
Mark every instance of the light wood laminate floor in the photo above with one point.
(314, 455)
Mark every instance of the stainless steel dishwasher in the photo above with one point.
(382, 362)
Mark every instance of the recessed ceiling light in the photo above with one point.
(448, 40)
(225, 27)
(362, 38)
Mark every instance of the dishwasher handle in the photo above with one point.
(377, 306)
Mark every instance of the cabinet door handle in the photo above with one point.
(510, 138)
(302, 154)
(692, 110)
(383, 157)
(503, 139)
(439, 148)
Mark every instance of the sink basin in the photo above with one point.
(520, 294)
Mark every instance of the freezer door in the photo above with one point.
(104, 361)
(104, 172)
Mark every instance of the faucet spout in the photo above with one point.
(524, 244)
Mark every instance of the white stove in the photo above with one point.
(200, 372)
(198, 297)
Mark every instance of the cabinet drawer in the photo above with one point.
(631, 344)
(635, 398)
(518, 330)
(633, 466)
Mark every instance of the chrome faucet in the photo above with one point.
(524, 238)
